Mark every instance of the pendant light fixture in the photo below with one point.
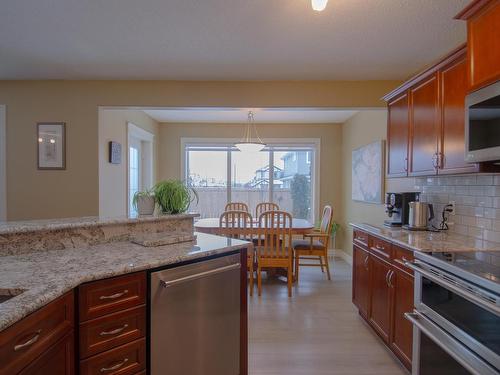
(249, 144)
(319, 5)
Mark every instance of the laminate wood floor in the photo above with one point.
(317, 331)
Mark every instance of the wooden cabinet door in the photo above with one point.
(380, 311)
(361, 280)
(453, 80)
(484, 46)
(57, 360)
(402, 302)
(397, 136)
(424, 127)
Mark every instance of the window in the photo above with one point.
(140, 163)
(134, 177)
(282, 173)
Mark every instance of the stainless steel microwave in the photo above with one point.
(482, 124)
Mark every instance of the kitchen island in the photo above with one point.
(111, 266)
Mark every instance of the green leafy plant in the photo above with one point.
(335, 228)
(173, 196)
(141, 194)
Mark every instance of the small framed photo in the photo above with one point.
(51, 142)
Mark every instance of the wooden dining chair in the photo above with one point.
(314, 245)
(238, 224)
(236, 206)
(274, 245)
(265, 206)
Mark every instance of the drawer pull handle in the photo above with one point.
(379, 247)
(114, 296)
(115, 367)
(114, 332)
(30, 342)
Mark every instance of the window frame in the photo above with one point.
(275, 144)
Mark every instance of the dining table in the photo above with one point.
(211, 225)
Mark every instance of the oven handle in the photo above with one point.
(478, 300)
(426, 326)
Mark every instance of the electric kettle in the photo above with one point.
(420, 215)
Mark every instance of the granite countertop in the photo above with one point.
(428, 241)
(46, 275)
(8, 227)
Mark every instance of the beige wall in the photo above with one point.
(330, 136)
(113, 124)
(363, 128)
(75, 191)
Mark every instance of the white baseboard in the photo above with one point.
(338, 253)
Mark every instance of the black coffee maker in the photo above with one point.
(396, 207)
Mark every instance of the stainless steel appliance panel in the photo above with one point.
(195, 318)
(482, 129)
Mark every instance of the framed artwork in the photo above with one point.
(115, 152)
(51, 143)
(368, 173)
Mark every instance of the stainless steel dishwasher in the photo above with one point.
(195, 318)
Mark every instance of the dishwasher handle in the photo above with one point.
(171, 283)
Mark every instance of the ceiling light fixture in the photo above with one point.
(319, 5)
(249, 144)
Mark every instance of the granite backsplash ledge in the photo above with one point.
(29, 236)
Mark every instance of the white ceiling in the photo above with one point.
(224, 39)
(239, 115)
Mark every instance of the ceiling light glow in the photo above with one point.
(319, 5)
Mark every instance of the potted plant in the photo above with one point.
(335, 229)
(173, 196)
(144, 202)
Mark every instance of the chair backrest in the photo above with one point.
(275, 235)
(265, 206)
(236, 224)
(326, 223)
(236, 206)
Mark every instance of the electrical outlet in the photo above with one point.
(452, 208)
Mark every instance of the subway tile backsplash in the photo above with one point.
(477, 201)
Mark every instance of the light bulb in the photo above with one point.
(40, 140)
(319, 5)
(52, 140)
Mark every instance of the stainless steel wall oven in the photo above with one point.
(457, 313)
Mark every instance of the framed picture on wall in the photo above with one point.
(51, 143)
(368, 173)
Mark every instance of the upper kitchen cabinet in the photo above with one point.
(397, 136)
(453, 83)
(483, 40)
(424, 126)
(426, 121)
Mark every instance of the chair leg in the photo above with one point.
(321, 264)
(327, 265)
(259, 280)
(297, 267)
(251, 279)
(289, 279)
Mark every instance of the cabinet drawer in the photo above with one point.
(361, 238)
(400, 256)
(380, 247)
(106, 296)
(27, 339)
(58, 360)
(112, 330)
(127, 359)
